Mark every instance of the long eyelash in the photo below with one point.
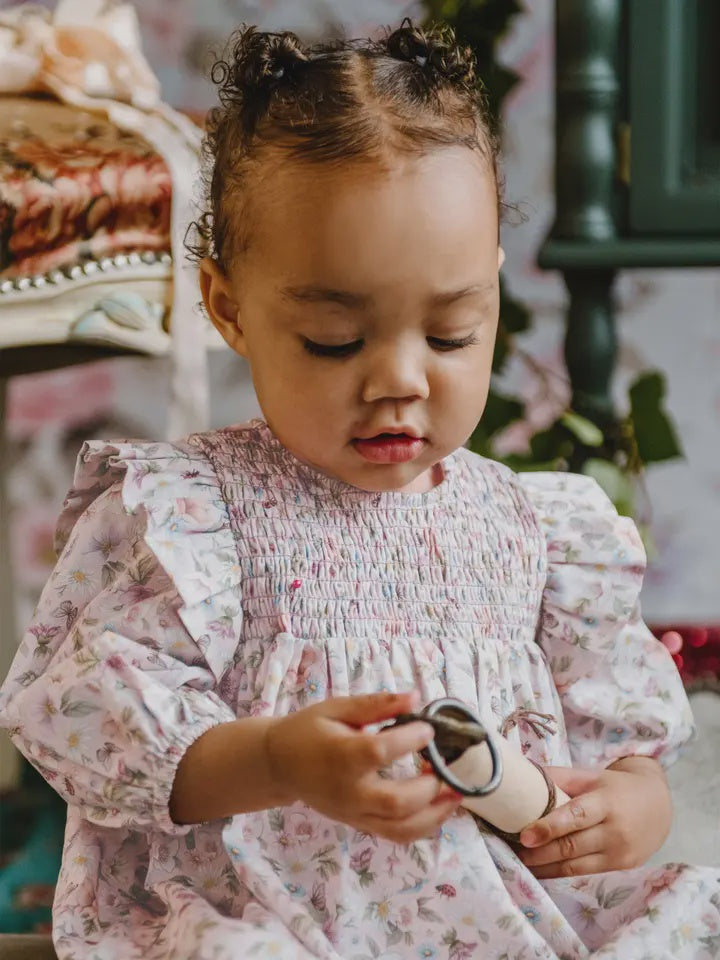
(324, 350)
(455, 344)
(346, 349)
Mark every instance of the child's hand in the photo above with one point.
(617, 819)
(321, 756)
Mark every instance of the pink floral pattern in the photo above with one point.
(219, 578)
(73, 187)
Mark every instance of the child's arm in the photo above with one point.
(322, 757)
(108, 689)
(620, 691)
(624, 706)
(227, 771)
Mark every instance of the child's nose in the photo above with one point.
(395, 372)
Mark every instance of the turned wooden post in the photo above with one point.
(587, 104)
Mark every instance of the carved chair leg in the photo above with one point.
(590, 341)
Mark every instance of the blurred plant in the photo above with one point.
(615, 451)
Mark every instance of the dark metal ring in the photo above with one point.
(437, 761)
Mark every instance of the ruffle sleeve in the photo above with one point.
(620, 690)
(121, 667)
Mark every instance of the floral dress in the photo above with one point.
(221, 577)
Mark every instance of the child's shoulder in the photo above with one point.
(133, 463)
(571, 510)
(150, 464)
(169, 493)
(554, 490)
(160, 478)
(541, 487)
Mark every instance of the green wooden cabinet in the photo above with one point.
(637, 161)
(674, 116)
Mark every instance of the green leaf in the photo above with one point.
(503, 343)
(585, 430)
(514, 317)
(79, 708)
(711, 944)
(76, 708)
(616, 896)
(616, 484)
(654, 434)
(499, 413)
(646, 535)
(551, 444)
(426, 913)
(524, 463)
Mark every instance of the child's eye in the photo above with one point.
(346, 349)
(453, 344)
(327, 350)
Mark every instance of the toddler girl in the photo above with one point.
(233, 616)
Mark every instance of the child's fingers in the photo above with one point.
(574, 780)
(425, 823)
(569, 847)
(365, 709)
(579, 814)
(400, 799)
(582, 866)
(374, 751)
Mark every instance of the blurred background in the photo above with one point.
(667, 295)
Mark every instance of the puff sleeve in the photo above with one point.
(620, 690)
(120, 669)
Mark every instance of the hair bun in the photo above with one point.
(434, 50)
(260, 61)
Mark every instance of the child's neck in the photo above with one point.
(426, 481)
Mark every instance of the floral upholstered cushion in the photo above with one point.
(73, 187)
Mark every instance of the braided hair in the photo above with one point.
(333, 102)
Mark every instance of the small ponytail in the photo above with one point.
(259, 64)
(435, 52)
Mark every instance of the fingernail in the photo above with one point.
(530, 838)
(427, 731)
(447, 793)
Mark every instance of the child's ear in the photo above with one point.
(501, 257)
(220, 305)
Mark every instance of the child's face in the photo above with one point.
(360, 254)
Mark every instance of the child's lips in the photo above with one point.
(394, 448)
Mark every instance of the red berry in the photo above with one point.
(697, 637)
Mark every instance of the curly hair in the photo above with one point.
(334, 101)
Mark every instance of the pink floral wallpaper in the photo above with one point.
(668, 319)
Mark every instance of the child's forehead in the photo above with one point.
(372, 239)
(428, 225)
(286, 172)
(450, 186)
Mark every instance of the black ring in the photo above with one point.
(438, 762)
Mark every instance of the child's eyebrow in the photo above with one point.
(361, 301)
(451, 296)
(314, 294)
